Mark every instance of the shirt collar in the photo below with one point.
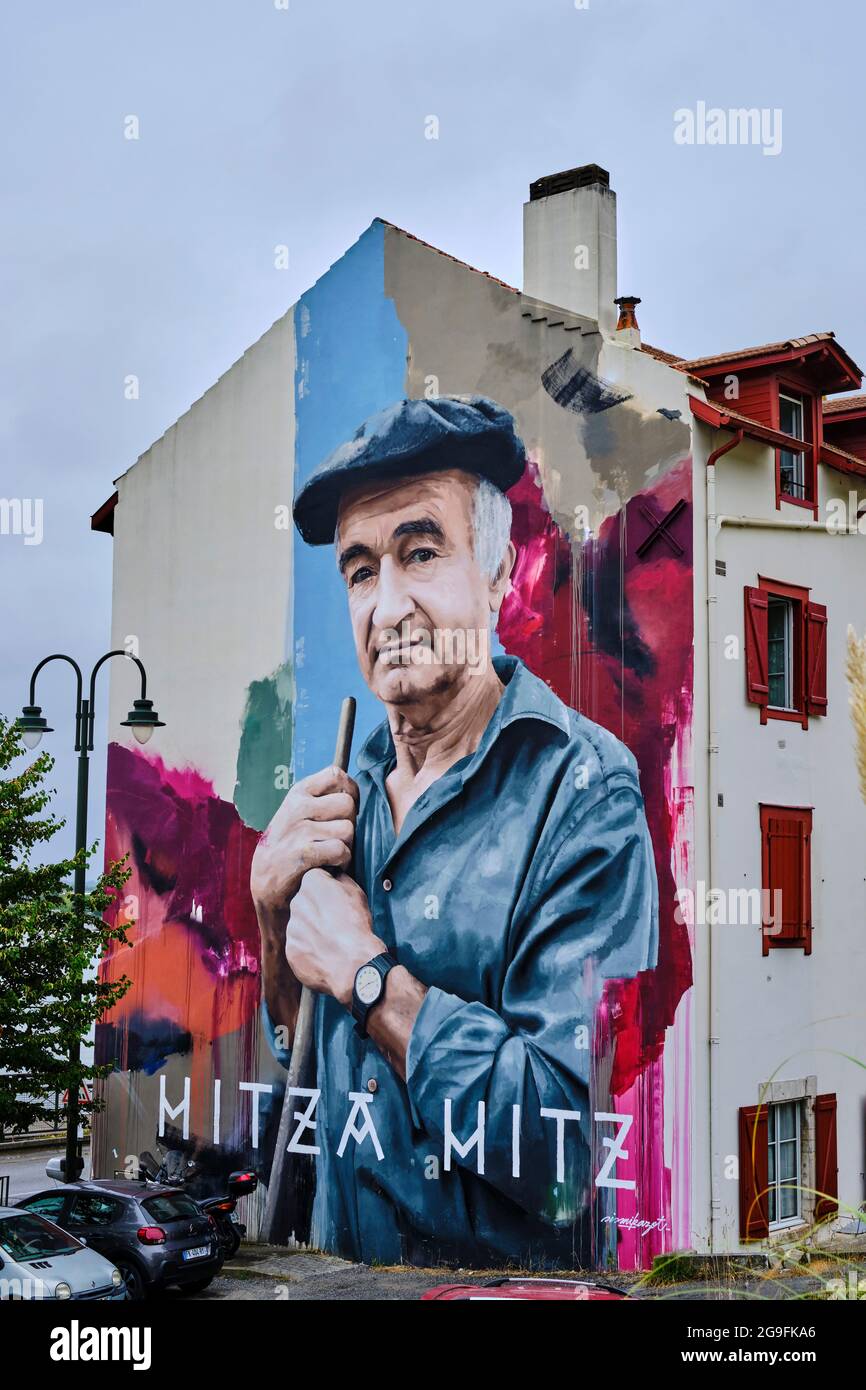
(525, 697)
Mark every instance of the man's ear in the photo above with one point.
(500, 585)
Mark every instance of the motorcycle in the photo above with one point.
(221, 1210)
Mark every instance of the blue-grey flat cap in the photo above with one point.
(407, 439)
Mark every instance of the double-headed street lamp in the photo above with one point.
(142, 719)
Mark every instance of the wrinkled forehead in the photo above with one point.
(368, 514)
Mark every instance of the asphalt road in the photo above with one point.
(27, 1170)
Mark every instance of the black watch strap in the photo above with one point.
(360, 1010)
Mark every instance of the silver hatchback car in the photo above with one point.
(39, 1261)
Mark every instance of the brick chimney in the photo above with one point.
(569, 243)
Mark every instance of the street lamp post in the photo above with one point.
(142, 719)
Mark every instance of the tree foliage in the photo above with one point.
(51, 940)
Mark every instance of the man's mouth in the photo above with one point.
(400, 653)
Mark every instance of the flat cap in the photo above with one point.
(408, 439)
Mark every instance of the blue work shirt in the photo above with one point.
(521, 879)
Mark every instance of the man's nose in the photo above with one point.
(394, 603)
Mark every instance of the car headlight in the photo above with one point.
(116, 1278)
(62, 1291)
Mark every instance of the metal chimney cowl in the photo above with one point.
(627, 328)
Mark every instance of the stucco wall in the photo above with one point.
(245, 636)
(789, 1016)
(202, 585)
(202, 569)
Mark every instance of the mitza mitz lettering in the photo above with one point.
(307, 1136)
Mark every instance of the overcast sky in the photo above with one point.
(261, 125)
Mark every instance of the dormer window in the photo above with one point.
(792, 420)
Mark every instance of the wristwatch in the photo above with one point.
(368, 988)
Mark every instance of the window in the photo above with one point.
(792, 474)
(28, 1237)
(50, 1205)
(783, 1164)
(780, 652)
(786, 871)
(786, 652)
(94, 1210)
(775, 1139)
(171, 1207)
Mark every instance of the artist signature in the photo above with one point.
(636, 1223)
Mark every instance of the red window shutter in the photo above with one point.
(787, 877)
(757, 684)
(754, 1173)
(816, 658)
(826, 1157)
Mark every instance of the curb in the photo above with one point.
(23, 1143)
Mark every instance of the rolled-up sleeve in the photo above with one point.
(590, 913)
(282, 1054)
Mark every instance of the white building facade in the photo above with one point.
(687, 581)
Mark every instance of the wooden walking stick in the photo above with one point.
(291, 1178)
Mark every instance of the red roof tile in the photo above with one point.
(790, 345)
(661, 355)
(837, 404)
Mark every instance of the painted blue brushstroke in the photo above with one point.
(351, 361)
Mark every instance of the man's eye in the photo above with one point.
(421, 555)
(359, 575)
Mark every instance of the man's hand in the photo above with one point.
(330, 934)
(314, 828)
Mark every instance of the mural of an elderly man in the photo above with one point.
(493, 862)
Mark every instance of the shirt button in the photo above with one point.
(372, 1084)
(387, 884)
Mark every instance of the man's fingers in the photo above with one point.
(332, 853)
(333, 830)
(330, 779)
(330, 806)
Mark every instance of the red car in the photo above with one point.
(568, 1289)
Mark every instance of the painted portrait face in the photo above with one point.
(419, 604)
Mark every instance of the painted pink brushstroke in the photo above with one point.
(636, 680)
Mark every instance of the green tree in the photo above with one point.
(50, 939)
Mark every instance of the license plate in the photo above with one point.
(196, 1252)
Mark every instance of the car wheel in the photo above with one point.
(132, 1278)
(197, 1285)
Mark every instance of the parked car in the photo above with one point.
(548, 1290)
(176, 1170)
(156, 1236)
(39, 1261)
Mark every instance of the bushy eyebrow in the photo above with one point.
(352, 552)
(424, 526)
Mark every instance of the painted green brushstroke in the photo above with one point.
(265, 750)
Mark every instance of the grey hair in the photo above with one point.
(491, 527)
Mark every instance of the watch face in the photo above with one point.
(368, 984)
